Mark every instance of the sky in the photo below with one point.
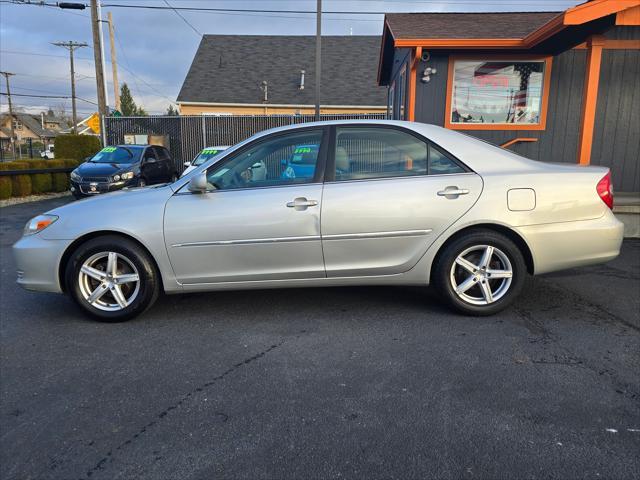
(154, 48)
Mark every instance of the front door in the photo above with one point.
(389, 195)
(257, 221)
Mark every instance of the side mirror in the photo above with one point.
(187, 164)
(198, 184)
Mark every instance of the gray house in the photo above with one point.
(260, 74)
(554, 86)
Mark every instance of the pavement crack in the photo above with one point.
(108, 456)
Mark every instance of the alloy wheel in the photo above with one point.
(481, 275)
(109, 281)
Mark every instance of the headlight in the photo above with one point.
(75, 177)
(116, 178)
(39, 223)
(126, 175)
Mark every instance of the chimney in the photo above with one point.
(301, 87)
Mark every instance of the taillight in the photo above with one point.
(605, 190)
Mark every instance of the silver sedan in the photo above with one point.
(333, 203)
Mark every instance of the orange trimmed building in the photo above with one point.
(554, 86)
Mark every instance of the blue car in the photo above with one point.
(302, 162)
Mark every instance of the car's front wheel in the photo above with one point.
(112, 278)
(480, 273)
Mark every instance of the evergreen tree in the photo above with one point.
(172, 112)
(128, 106)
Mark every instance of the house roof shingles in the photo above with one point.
(466, 25)
(231, 69)
(32, 122)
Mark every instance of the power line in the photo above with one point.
(183, 19)
(34, 96)
(71, 46)
(151, 87)
(246, 11)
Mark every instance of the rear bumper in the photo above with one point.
(558, 246)
(37, 262)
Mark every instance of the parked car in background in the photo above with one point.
(301, 163)
(120, 166)
(206, 154)
(49, 153)
(384, 203)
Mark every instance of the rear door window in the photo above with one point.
(373, 152)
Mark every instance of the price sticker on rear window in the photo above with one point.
(303, 150)
(108, 149)
(209, 151)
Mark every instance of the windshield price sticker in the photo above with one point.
(108, 149)
(209, 151)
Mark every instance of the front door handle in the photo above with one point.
(452, 192)
(301, 203)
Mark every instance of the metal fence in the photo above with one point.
(188, 135)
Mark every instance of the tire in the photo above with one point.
(488, 290)
(142, 182)
(174, 177)
(132, 262)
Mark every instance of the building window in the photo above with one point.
(402, 83)
(391, 100)
(17, 124)
(500, 94)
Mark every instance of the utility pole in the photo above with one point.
(97, 58)
(102, 55)
(318, 56)
(114, 65)
(71, 46)
(13, 135)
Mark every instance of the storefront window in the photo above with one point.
(497, 92)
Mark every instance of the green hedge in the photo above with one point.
(22, 185)
(40, 182)
(77, 147)
(59, 181)
(5, 183)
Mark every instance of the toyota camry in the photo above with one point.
(377, 203)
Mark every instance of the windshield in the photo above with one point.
(205, 155)
(117, 155)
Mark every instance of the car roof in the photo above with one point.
(134, 146)
(216, 147)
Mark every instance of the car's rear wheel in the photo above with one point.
(480, 273)
(112, 278)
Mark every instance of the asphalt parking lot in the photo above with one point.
(324, 383)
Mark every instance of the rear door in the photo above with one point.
(388, 195)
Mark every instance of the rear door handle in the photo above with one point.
(301, 203)
(452, 192)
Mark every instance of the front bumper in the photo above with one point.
(38, 261)
(559, 246)
(87, 189)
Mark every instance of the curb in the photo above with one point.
(32, 198)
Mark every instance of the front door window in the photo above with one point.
(284, 160)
